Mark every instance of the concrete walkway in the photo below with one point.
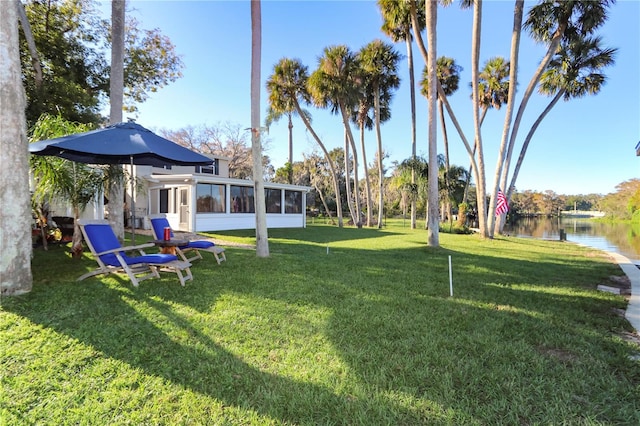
(631, 270)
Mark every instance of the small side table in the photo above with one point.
(169, 246)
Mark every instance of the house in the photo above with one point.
(197, 199)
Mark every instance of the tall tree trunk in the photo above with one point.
(446, 206)
(262, 240)
(15, 238)
(349, 139)
(116, 101)
(475, 65)
(504, 158)
(376, 103)
(433, 233)
(477, 166)
(33, 51)
(367, 182)
(332, 166)
(356, 181)
(412, 85)
(525, 144)
(347, 178)
(551, 50)
(475, 147)
(324, 203)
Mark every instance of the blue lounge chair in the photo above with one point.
(158, 223)
(112, 257)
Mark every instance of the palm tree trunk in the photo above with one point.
(475, 147)
(367, 182)
(475, 59)
(332, 166)
(446, 208)
(513, 76)
(347, 177)
(433, 233)
(553, 46)
(478, 166)
(324, 203)
(262, 238)
(412, 86)
(380, 166)
(504, 159)
(356, 183)
(349, 139)
(527, 140)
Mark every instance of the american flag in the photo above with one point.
(502, 206)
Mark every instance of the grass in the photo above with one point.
(337, 326)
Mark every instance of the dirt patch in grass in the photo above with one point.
(620, 282)
(562, 355)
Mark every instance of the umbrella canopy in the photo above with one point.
(122, 143)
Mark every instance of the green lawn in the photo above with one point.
(362, 334)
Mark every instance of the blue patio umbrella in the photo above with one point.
(121, 143)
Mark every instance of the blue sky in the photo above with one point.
(583, 146)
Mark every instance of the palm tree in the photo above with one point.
(15, 268)
(548, 22)
(518, 13)
(262, 238)
(451, 181)
(448, 73)
(449, 76)
(475, 77)
(478, 167)
(493, 88)
(397, 25)
(279, 108)
(493, 84)
(574, 72)
(335, 85)
(289, 81)
(379, 63)
(410, 177)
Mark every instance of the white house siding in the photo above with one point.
(225, 222)
(202, 222)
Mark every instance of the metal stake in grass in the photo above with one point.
(450, 278)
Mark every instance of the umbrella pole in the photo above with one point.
(133, 206)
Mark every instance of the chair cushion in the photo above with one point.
(111, 259)
(200, 244)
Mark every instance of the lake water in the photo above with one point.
(615, 237)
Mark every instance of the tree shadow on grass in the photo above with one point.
(399, 330)
(147, 337)
(395, 327)
(328, 234)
